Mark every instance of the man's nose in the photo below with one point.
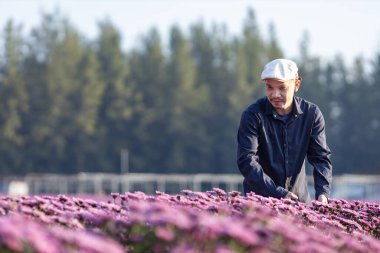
(276, 93)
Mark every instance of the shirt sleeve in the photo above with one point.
(247, 159)
(319, 156)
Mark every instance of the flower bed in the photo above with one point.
(212, 221)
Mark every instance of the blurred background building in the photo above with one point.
(349, 187)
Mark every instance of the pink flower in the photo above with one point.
(164, 233)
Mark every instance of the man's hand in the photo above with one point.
(322, 198)
(291, 195)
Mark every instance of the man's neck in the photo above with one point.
(285, 111)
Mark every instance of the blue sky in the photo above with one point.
(347, 27)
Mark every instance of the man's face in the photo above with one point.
(280, 94)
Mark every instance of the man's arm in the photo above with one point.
(319, 157)
(247, 159)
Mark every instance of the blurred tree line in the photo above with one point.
(69, 104)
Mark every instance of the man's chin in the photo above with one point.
(277, 105)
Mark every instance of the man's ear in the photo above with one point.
(297, 85)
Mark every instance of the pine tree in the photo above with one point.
(116, 108)
(148, 74)
(13, 101)
(188, 101)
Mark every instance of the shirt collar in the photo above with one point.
(297, 108)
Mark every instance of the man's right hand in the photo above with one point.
(291, 195)
(322, 198)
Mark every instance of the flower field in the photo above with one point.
(212, 221)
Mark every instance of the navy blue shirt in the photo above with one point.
(271, 152)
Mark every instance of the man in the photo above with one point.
(275, 135)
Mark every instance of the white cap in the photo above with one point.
(281, 69)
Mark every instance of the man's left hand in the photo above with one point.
(322, 198)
